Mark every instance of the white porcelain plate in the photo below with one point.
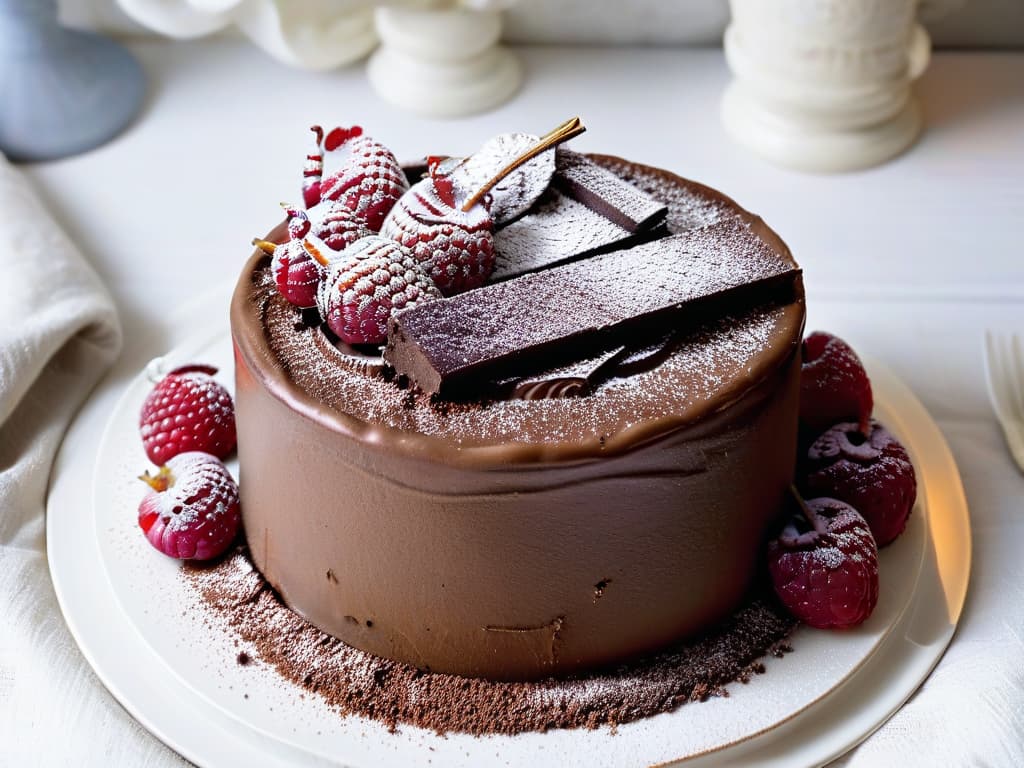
(165, 656)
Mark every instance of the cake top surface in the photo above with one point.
(697, 367)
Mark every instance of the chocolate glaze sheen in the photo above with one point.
(517, 539)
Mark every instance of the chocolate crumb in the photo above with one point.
(243, 658)
(353, 682)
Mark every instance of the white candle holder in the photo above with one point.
(824, 85)
(442, 62)
(313, 34)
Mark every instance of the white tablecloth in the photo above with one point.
(910, 262)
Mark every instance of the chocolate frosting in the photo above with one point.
(470, 537)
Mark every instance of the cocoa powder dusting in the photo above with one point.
(357, 683)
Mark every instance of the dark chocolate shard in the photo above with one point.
(573, 380)
(518, 191)
(645, 357)
(607, 194)
(546, 319)
(558, 230)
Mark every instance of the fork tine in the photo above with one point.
(1004, 369)
(995, 376)
(1017, 378)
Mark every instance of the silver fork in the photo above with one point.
(1004, 371)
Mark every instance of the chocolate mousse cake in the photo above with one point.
(563, 453)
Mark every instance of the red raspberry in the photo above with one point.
(456, 247)
(371, 280)
(296, 271)
(872, 473)
(834, 386)
(368, 180)
(191, 511)
(824, 565)
(187, 410)
(336, 225)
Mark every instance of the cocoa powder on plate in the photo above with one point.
(358, 683)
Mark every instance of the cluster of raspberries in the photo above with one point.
(860, 486)
(368, 245)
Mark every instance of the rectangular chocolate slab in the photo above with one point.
(605, 193)
(556, 230)
(552, 317)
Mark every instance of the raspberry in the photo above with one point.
(187, 411)
(371, 280)
(834, 386)
(337, 226)
(824, 565)
(296, 272)
(872, 472)
(456, 247)
(191, 511)
(368, 180)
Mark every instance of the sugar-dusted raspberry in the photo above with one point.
(366, 177)
(872, 472)
(834, 386)
(336, 225)
(824, 565)
(296, 272)
(456, 247)
(187, 410)
(368, 282)
(191, 510)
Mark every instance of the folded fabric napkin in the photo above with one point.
(59, 332)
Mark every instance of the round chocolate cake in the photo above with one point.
(575, 464)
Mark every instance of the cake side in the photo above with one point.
(590, 566)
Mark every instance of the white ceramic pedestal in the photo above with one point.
(442, 63)
(821, 88)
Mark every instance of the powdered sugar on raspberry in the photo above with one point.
(371, 280)
(198, 515)
(336, 225)
(366, 178)
(456, 247)
(826, 576)
(187, 410)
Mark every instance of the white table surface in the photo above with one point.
(910, 261)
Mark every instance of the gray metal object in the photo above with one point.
(62, 91)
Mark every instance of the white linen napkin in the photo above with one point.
(59, 332)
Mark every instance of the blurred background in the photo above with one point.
(951, 23)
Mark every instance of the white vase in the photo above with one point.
(824, 85)
(443, 62)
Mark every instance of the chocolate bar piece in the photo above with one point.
(557, 230)
(605, 193)
(566, 313)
